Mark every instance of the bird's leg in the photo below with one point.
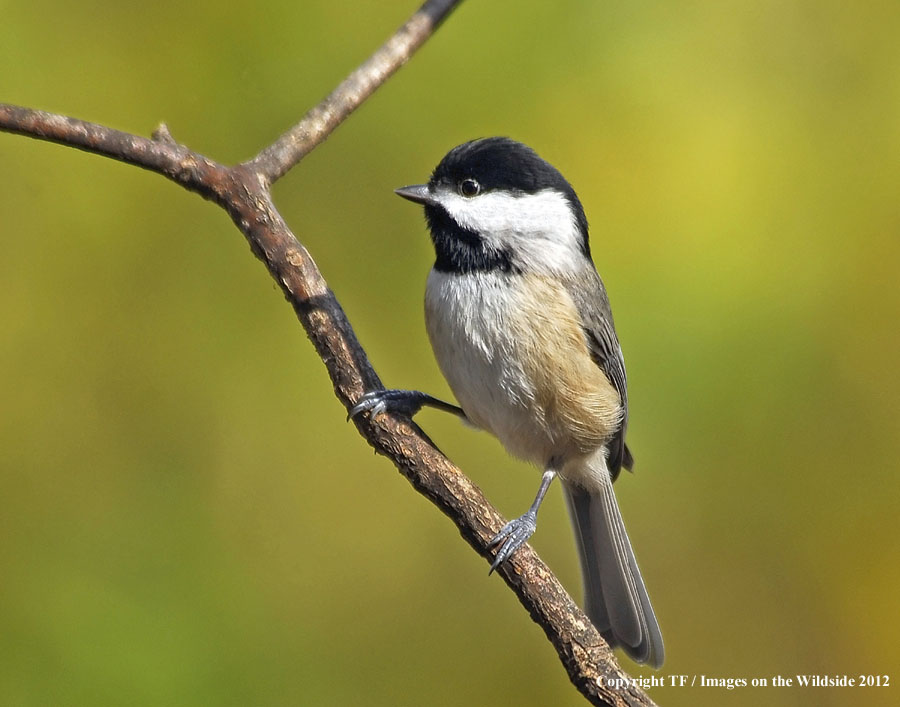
(516, 533)
(404, 402)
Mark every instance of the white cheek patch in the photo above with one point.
(540, 229)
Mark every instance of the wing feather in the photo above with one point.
(591, 301)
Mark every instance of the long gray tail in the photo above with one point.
(615, 597)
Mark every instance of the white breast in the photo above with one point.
(474, 323)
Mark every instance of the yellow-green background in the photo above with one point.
(185, 517)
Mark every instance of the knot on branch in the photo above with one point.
(162, 134)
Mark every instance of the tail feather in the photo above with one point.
(616, 599)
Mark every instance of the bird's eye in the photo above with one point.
(469, 188)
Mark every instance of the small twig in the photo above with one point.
(243, 191)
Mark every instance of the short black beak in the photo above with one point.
(419, 193)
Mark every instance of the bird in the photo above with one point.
(521, 327)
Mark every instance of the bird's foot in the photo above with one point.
(404, 402)
(512, 536)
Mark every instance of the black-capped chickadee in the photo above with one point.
(522, 330)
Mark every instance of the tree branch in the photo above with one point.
(160, 154)
(275, 161)
(243, 191)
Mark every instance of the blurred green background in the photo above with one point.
(186, 519)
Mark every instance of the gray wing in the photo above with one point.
(589, 295)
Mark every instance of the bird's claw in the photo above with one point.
(371, 402)
(512, 536)
(375, 402)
